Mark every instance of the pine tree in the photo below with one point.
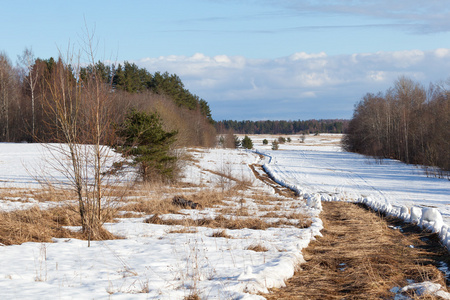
(247, 143)
(146, 141)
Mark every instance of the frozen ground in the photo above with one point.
(159, 262)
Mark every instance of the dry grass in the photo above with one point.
(221, 233)
(162, 203)
(36, 225)
(41, 225)
(218, 222)
(272, 214)
(257, 248)
(48, 193)
(183, 230)
(358, 257)
(151, 206)
(299, 223)
(193, 296)
(235, 211)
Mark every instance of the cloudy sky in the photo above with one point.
(265, 59)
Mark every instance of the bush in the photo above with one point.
(247, 143)
(265, 142)
(275, 145)
(281, 140)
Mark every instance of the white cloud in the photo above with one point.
(441, 53)
(303, 55)
(314, 85)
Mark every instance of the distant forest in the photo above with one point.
(282, 127)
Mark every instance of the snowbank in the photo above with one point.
(426, 218)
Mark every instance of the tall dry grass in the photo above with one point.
(358, 257)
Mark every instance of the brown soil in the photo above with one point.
(362, 256)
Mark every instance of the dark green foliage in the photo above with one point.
(282, 127)
(265, 142)
(205, 110)
(289, 140)
(247, 143)
(100, 69)
(144, 138)
(131, 78)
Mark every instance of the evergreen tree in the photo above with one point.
(144, 138)
(247, 143)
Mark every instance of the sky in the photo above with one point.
(250, 60)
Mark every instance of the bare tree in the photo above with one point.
(407, 123)
(81, 114)
(5, 76)
(31, 72)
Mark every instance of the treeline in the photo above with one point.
(407, 122)
(282, 127)
(25, 91)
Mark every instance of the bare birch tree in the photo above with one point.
(81, 110)
(5, 85)
(31, 73)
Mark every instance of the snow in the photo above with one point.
(158, 262)
(425, 288)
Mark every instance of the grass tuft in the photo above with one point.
(257, 248)
(221, 233)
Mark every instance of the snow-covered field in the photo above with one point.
(163, 262)
(319, 166)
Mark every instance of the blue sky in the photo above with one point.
(266, 59)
